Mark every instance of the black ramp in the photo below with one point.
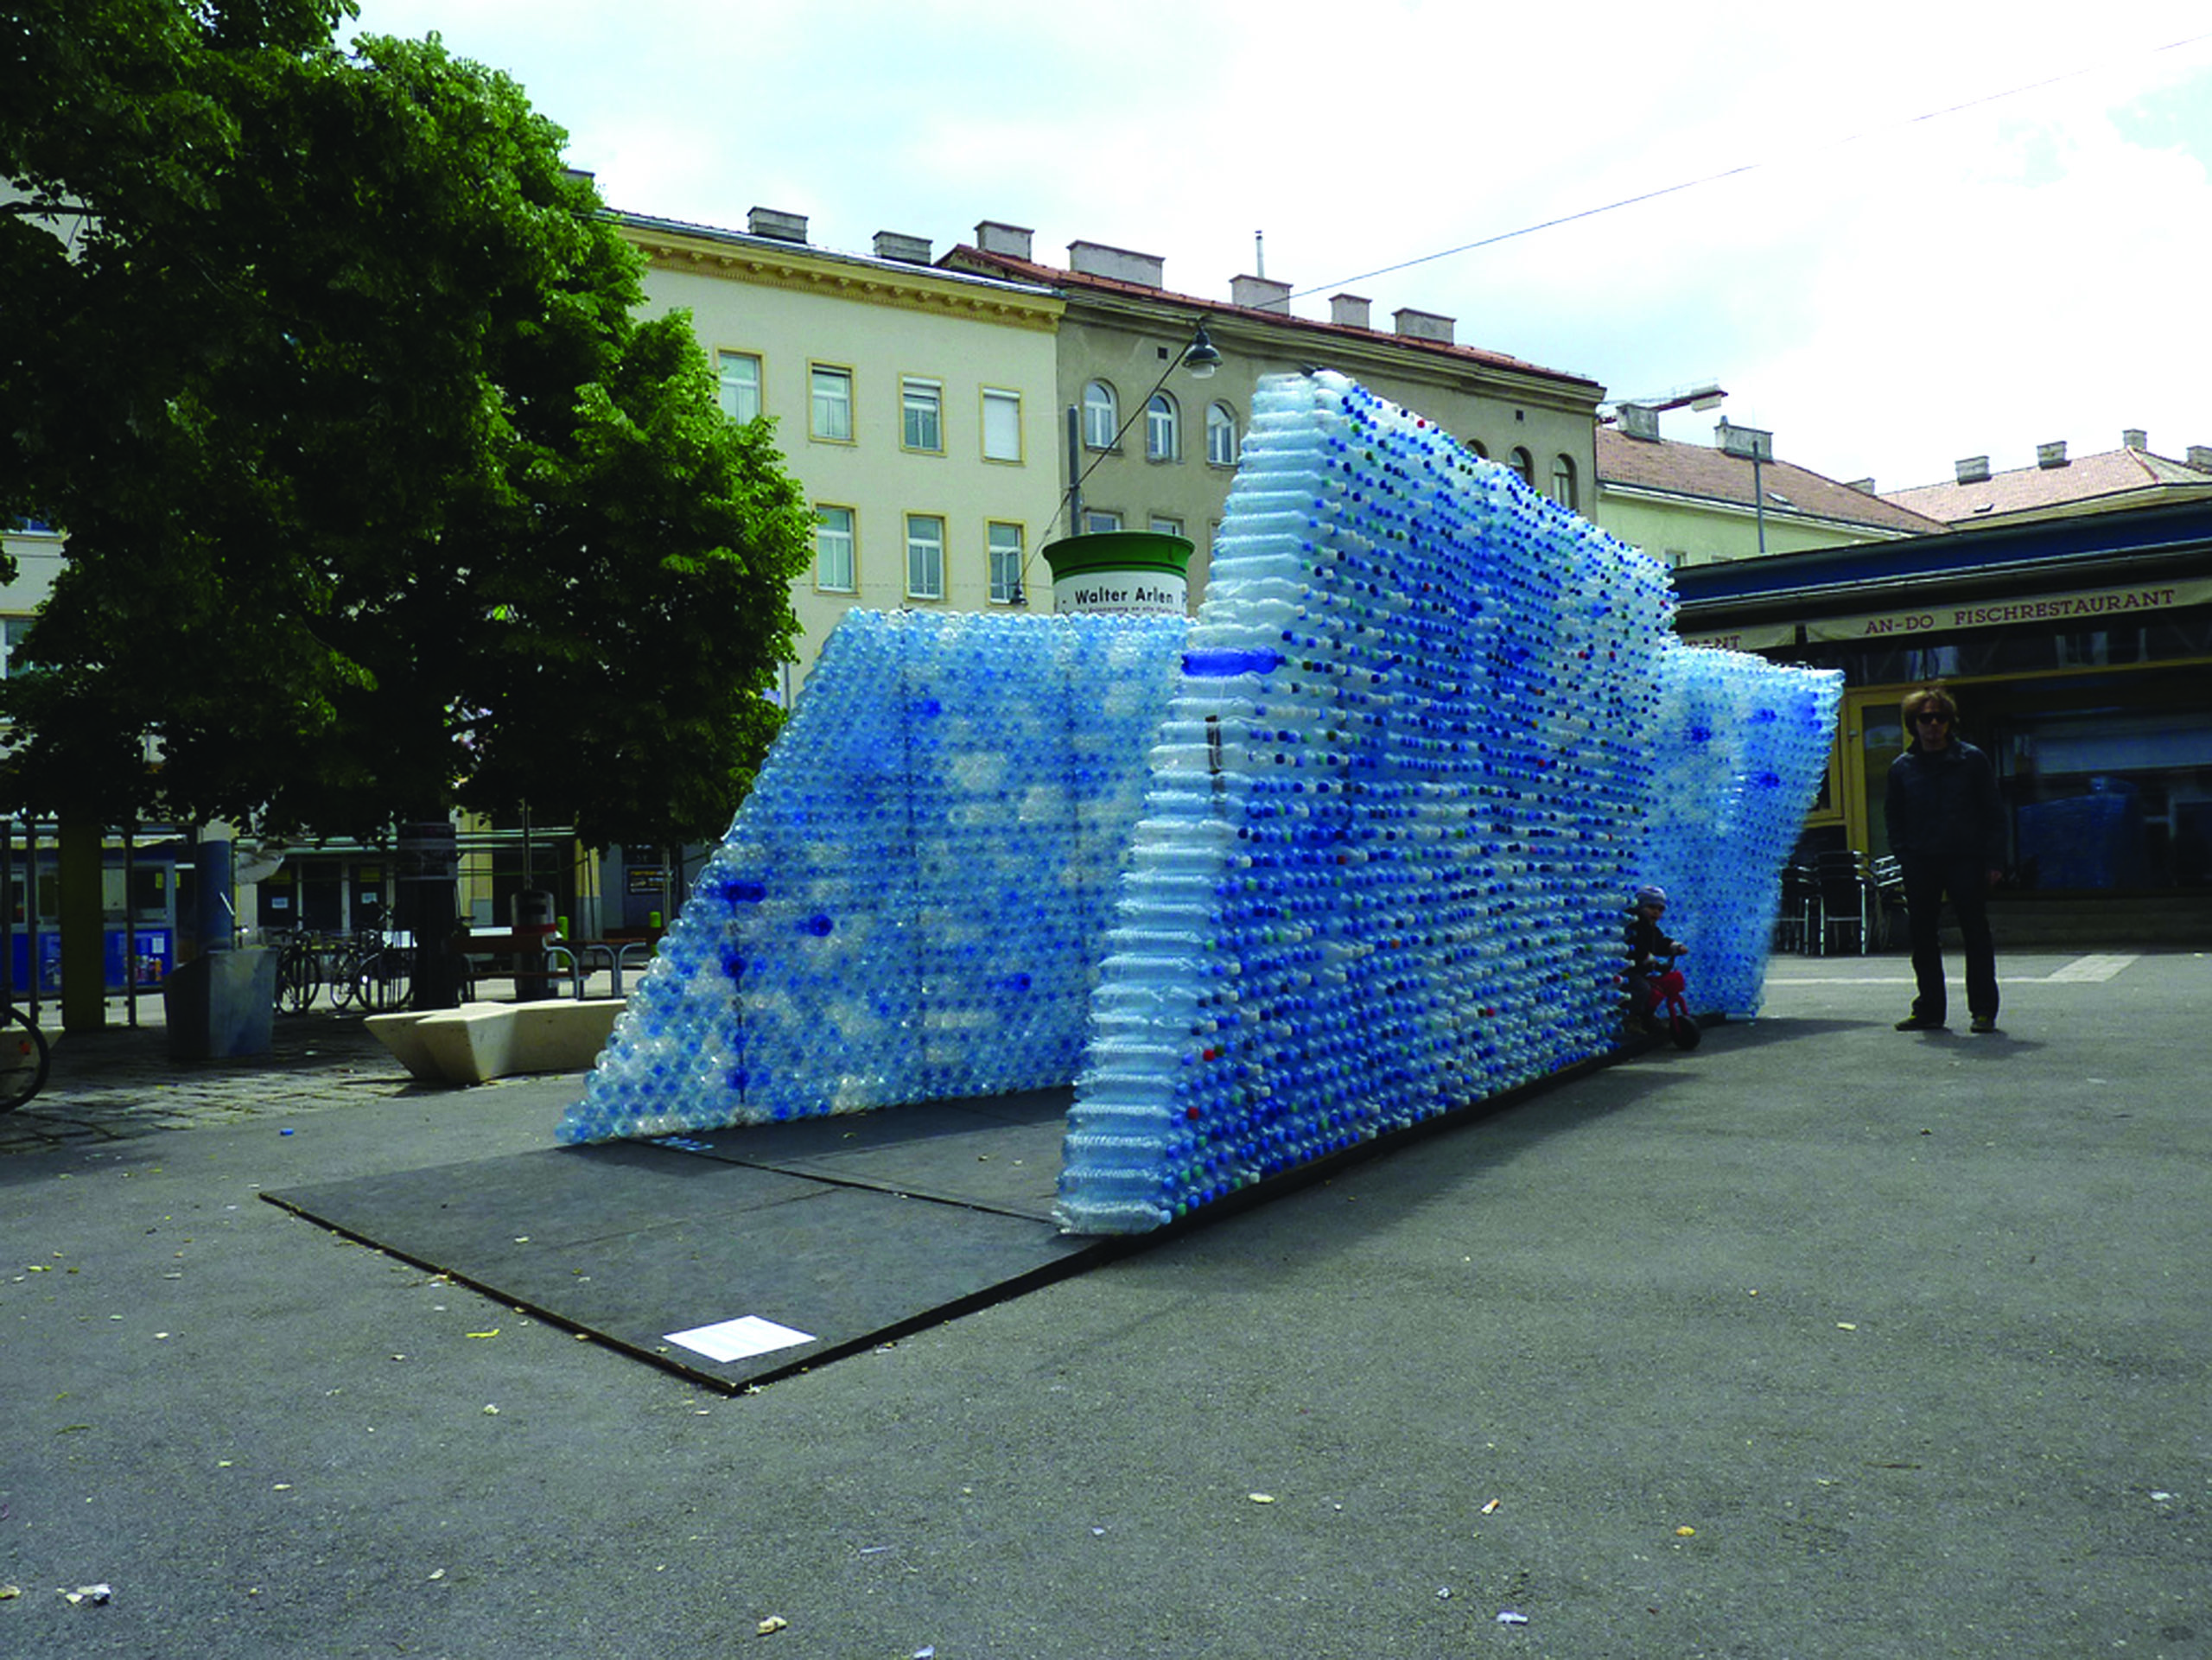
(999, 1153)
(633, 1242)
(556, 1197)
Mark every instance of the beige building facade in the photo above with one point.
(914, 404)
(37, 550)
(1156, 447)
(1705, 503)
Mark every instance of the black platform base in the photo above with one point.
(733, 1256)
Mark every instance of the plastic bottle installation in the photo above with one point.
(1349, 851)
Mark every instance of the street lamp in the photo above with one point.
(1200, 358)
(1706, 395)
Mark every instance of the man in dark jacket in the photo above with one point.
(1947, 829)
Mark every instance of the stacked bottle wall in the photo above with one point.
(1402, 794)
(1736, 752)
(912, 902)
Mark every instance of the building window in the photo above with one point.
(1482, 451)
(1097, 524)
(1164, 526)
(1162, 428)
(1525, 465)
(1102, 415)
(833, 404)
(925, 556)
(1002, 426)
(1221, 436)
(12, 630)
(833, 551)
(1004, 543)
(922, 408)
(737, 376)
(1563, 481)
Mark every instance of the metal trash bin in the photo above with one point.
(531, 912)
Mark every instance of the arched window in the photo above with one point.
(1525, 465)
(1481, 449)
(1163, 429)
(1221, 436)
(1563, 482)
(1102, 415)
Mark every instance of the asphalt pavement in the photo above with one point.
(1823, 1340)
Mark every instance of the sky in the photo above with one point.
(1908, 233)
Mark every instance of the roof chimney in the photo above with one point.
(1260, 293)
(1639, 420)
(2051, 455)
(1746, 443)
(1012, 240)
(774, 223)
(907, 249)
(2134, 438)
(1973, 469)
(1348, 310)
(1121, 265)
(1422, 325)
(2200, 457)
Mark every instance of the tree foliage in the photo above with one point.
(378, 498)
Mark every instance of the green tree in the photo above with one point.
(378, 498)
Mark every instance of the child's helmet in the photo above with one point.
(1650, 894)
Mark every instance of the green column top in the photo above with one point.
(1103, 551)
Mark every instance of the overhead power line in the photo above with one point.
(1736, 172)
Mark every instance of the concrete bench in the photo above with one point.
(478, 1042)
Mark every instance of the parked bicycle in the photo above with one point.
(300, 972)
(381, 973)
(24, 1056)
(369, 969)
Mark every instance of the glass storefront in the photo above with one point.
(2102, 743)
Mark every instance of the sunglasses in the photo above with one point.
(1933, 720)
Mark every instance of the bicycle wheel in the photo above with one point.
(386, 980)
(344, 974)
(24, 1058)
(297, 980)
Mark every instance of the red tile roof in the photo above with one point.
(968, 257)
(2030, 490)
(1709, 474)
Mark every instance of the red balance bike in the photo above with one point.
(1656, 1001)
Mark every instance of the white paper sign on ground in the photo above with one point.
(736, 1340)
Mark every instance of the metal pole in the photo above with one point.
(7, 912)
(129, 930)
(30, 909)
(1075, 471)
(1758, 497)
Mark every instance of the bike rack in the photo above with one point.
(622, 957)
(593, 955)
(575, 969)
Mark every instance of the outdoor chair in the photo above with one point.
(1847, 899)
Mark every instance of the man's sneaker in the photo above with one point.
(1919, 1023)
(1983, 1023)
